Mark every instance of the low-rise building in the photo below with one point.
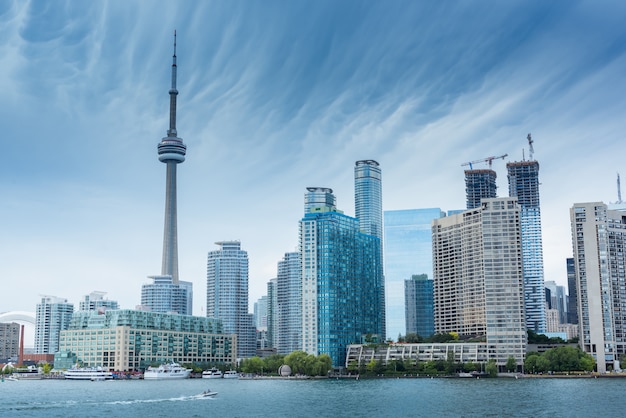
(128, 340)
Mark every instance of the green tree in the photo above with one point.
(47, 367)
(297, 361)
(326, 364)
(252, 365)
(273, 363)
(470, 366)
(413, 338)
(492, 368)
(530, 363)
(511, 364)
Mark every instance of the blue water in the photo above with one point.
(502, 397)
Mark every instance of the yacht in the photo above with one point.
(212, 374)
(167, 371)
(87, 373)
(231, 374)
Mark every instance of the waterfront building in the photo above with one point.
(95, 301)
(341, 279)
(272, 312)
(162, 295)
(129, 340)
(523, 178)
(478, 280)
(408, 251)
(288, 335)
(599, 242)
(260, 313)
(572, 298)
(52, 316)
(418, 296)
(227, 294)
(368, 208)
(9, 341)
(479, 184)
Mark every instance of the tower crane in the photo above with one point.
(530, 147)
(485, 160)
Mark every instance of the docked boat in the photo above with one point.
(167, 371)
(87, 373)
(231, 374)
(214, 373)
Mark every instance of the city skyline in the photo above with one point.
(278, 97)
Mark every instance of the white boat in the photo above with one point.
(208, 394)
(87, 373)
(167, 371)
(231, 374)
(212, 374)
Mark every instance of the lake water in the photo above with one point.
(502, 397)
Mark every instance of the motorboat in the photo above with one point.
(208, 394)
(214, 373)
(231, 374)
(167, 371)
(87, 373)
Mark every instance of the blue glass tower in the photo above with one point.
(341, 280)
(408, 251)
(523, 179)
(419, 302)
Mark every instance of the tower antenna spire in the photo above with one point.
(531, 151)
(619, 190)
(171, 132)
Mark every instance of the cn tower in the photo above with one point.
(171, 152)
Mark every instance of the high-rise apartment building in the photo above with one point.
(523, 179)
(9, 341)
(341, 280)
(260, 313)
(479, 184)
(53, 316)
(599, 242)
(227, 294)
(95, 301)
(162, 295)
(572, 297)
(556, 298)
(272, 312)
(408, 252)
(368, 208)
(418, 297)
(478, 280)
(289, 304)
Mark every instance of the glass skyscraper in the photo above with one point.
(341, 280)
(289, 304)
(368, 207)
(162, 295)
(523, 179)
(227, 294)
(572, 298)
(408, 251)
(419, 305)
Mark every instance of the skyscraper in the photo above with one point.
(599, 240)
(419, 305)
(272, 312)
(53, 316)
(341, 280)
(167, 293)
(478, 281)
(523, 179)
(572, 297)
(289, 304)
(171, 152)
(368, 207)
(408, 251)
(479, 184)
(227, 294)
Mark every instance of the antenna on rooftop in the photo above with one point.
(619, 190)
(530, 147)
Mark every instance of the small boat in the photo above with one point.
(231, 374)
(87, 373)
(214, 373)
(208, 394)
(167, 371)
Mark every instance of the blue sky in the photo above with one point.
(276, 96)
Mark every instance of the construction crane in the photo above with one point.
(530, 147)
(484, 160)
